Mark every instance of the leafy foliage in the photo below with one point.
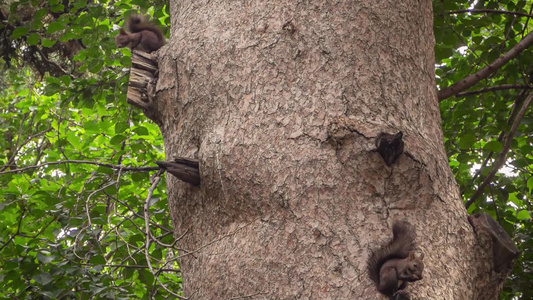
(476, 125)
(74, 227)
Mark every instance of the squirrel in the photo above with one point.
(394, 264)
(144, 35)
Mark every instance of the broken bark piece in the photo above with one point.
(503, 248)
(142, 73)
(185, 169)
(390, 146)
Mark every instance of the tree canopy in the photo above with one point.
(78, 182)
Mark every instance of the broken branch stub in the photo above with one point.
(142, 73)
(503, 248)
(185, 169)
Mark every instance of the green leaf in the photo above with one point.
(523, 215)
(515, 200)
(43, 278)
(121, 127)
(127, 273)
(57, 8)
(54, 26)
(146, 277)
(467, 141)
(141, 130)
(103, 27)
(530, 184)
(39, 14)
(520, 163)
(47, 43)
(33, 39)
(157, 253)
(117, 139)
(65, 79)
(139, 176)
(493, 146)
(96, 66)
(73, 139)
(136, 239)
(442, 53)
(77, 5)
(91, 126)
(105, 126)
(111, 190)
(98, 260)
(19, 32)
(45, 259)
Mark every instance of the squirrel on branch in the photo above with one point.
(144, 35)
(394, 264)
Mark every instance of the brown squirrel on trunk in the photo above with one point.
(395, 264)
(143, 35)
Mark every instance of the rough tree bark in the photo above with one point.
(281, 102)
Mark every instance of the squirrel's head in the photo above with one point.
(122, 39)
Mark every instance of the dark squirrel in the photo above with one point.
(394, 264)
(143, 35)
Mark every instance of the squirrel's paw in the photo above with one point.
(401, 295)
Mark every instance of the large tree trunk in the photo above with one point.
(281, 102)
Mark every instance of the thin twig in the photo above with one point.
(516, 107)
(507, 146)
(96, 191)
(495, 88)
(169, 245)
(142, 217)
(490, 11)
(473, 79)
(77, 240)
(16, 233)
(156, 180)
(114, 167)
(131, 267)
(40, 231)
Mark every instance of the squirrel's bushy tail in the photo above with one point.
(138, 23)
(402, 243)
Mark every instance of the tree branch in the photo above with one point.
(516, 106)
(87, 202)
(131, 267)
(40, 231)
(507, 146)
(16, 233)
(495, 88)
(473, 79)
(490, 11)
(114, 167)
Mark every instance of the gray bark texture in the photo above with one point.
(281, 102)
